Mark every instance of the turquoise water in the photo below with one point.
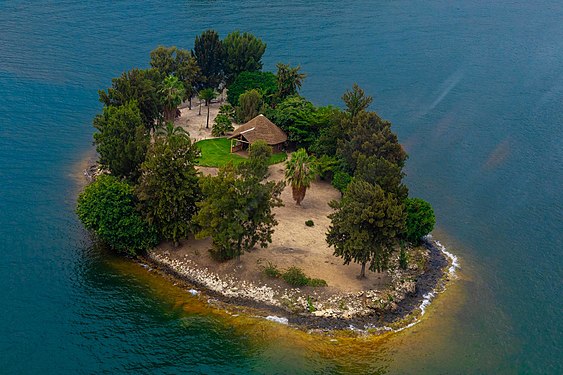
(475, 92)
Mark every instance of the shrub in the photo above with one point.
(221, 125)
(271, 270)
(420, 219)
(310, 223)
(316, 282)
(341, 180)
(107, 208)
(403, 259)
(295, 276)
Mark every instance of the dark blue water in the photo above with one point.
(474, 89)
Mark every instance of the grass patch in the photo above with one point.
(216, 152)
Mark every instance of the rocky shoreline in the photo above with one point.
(312, 309)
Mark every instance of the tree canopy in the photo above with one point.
(365, 225)
(289, 80)
(210, 57)
(172, 93)
(107, 208)
(250, 104)
(237, 211)
(300, 171)
(264, 82)
(420, 219)
(168, 188)
(243, 53)
(356, 100)
(121, 140)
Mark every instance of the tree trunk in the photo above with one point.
(199, 114)
(363, 273)
(190, 103)
(207, 127)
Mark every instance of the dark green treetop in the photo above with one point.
(243, 53)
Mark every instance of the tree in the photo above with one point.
(121, 140)
(250, 105)
(221, 125)
(365, 225)
(356, 100)
(258, 160)
(107, 208)
(289, 80)
(207, 95)
(210, 56)
(170, 130)
(264, 82)
(377, 170)
(169, 185)
(237, 211)
(300, 171)
(243, 52)
(140, 86)
(420, 219)
(188, 72)
(172, 92)
(368, 134)
(163, 59)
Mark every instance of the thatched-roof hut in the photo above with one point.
(259, 128)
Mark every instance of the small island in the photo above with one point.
(223, 177)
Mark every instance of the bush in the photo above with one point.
(403, 259)
(310, 223)
(420, 219)
(341, 180)
(107, 208)
(221, 125)
(271, 270)
(295, 277)
(265, 82)
(316, 282)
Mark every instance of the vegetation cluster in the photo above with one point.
(154, 192)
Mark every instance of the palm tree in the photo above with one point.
(289, 80)
(208, 95)
(172, 92)
(170, 131)
(300, 171)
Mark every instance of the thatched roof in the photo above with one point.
(260, 128)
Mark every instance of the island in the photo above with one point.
(226, 179)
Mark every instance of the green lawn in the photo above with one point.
(216, 152)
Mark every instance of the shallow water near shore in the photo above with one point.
(474, 92)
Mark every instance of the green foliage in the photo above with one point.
(177, 62)
(107, 208)
(367, 134)
(341, 180)
(250, 103)
(271, 270)
(237, 212)
(365, 225)
(136, 85)
(403, 258)
(377, 170)
(210, 57)
(420, 219)
(326, 166)
(264, 82)
(228, 111)
(221, 125)
(310, 306)
(289, 80)
(169, 186)
(316, 282)
(172, 93)
(243, 52)
(121, 140)
(356, 100)
(259, 155)
(300, 171)
(310, 223)
(295, 277)
(163, 59)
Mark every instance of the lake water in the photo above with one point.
(474, 90)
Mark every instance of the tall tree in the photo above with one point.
(163, 59)
(169, 185)
(356, 100)
(237, 211)
(365, 225)
(210, 56)
(141, 86)
(300, 171)
(107, 208)
(172, 92)
(377, 170)
(170, 130)
(188, 72)
(289, 80)
(243, 52)
(207, 95)
(368, 134)
(121, 140)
